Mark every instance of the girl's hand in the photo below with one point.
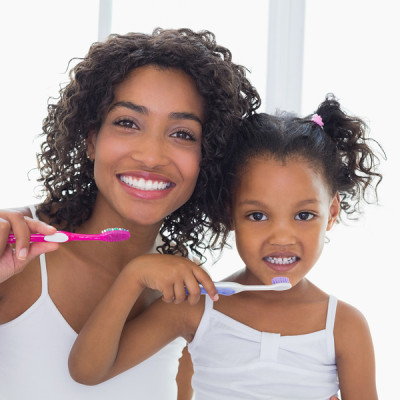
(13, 259)
(170, 275)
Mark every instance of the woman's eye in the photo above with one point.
(257, 216)
(182, 134)
(304, 216)
(125, 123)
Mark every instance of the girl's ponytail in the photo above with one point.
(355, 172)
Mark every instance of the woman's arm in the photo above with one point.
(184, 376)
(354, 355)
(13, 259)
(108, 345)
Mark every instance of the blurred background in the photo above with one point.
(296, 51)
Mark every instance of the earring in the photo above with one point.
(327, 240)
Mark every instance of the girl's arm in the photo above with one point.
(354, 355)
(108, 345)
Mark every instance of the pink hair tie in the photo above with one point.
(317, 119)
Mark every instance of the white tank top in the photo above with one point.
(34, 350)
(234, 362)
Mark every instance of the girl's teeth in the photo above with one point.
(144, 184)
(281, 260)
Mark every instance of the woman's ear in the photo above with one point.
(91, 144)
(333, 211)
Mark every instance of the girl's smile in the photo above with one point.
(281, 211)
(281, 262)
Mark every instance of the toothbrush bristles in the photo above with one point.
(280, 279)
(115, 234)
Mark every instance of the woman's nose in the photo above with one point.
(150, 150)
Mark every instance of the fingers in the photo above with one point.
(199, 276)
(202, 276)
(13, 259)
(177, 278)
(22, 231)
(185, 286)
(22, 226)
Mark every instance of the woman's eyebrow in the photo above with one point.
(143, 110)
(185, 115)
(131, 106)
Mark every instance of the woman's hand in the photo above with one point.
(14, 258)
(171, 274)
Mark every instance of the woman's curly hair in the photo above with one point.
(340, 150)
(67, 174)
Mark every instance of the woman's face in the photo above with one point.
(148, 149)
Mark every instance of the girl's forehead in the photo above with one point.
(292, 176)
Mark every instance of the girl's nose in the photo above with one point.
(281, 234)
(151, 151)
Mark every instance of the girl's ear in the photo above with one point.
(91, 144)
(333, 211)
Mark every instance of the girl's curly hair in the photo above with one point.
(67, 174)
(340, 150)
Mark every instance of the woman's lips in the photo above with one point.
(146, 186)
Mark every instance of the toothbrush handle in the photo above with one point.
(224, 291)
(58, 237)
(35, 237)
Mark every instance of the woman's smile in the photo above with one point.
(146, 185)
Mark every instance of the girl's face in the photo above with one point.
(280, 214)
(148, 149)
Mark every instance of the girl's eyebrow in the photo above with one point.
(143, 110)
(257, 203)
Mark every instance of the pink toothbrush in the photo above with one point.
(107, 235)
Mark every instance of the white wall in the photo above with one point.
(350, 49)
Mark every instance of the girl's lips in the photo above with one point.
(281, 263)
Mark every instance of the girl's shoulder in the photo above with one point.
(351, 328)
(348, 315)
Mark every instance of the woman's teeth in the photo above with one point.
(143, 184)
(281, 260)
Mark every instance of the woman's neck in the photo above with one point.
(117, 254)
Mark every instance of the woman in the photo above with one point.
(136, 140)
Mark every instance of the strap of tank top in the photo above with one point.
(330, 317)
(42, 258)
(330, 323)
(33, 211)
(209, 304)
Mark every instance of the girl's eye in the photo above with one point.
(258, 216)
(304, 216)
(125, 123)
(182, 134)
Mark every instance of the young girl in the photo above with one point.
(133, 142)
(290, 180)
